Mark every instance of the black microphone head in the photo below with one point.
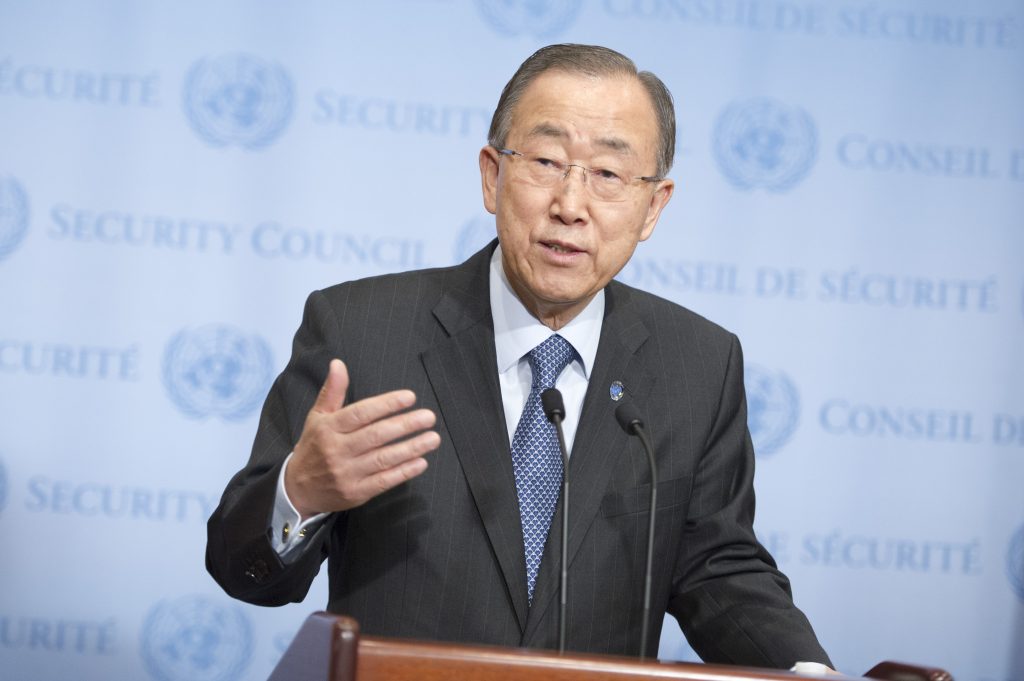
(628, 417)
(551, 401)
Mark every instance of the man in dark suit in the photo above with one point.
(460, 549)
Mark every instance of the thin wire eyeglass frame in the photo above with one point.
(564, 167)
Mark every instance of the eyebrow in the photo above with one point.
(616, 144)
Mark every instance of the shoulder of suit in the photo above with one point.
(390, 281)
(425, 285)
(465, 276)
(658, 310)
(415, 301)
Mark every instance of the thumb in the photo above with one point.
(332, 394)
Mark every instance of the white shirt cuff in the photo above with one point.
(287, 528)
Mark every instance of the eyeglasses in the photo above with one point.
(603, 184)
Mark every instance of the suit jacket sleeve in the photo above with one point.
(732, 602)
(239, 554)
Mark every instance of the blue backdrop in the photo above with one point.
(176, 177)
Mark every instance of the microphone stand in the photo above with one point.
(554, 409)
(628, 417)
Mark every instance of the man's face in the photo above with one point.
(560, 245)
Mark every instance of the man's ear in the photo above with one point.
(489, 178)
(659, 200)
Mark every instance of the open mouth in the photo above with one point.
(559, 247)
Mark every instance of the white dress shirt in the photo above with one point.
(516, 332)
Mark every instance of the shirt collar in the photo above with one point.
(516, 331)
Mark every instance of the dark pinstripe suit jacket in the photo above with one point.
(441, 557)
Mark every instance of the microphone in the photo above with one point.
(554, 409)
(629, 418)
(551, 401)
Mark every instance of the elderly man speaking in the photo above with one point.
(405, 441)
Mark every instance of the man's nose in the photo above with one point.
(570, 198)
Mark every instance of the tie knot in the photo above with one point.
(548, 359)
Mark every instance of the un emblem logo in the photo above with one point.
(13, 215)
(238, 99)
(773, 407)
(195, 639)
(537, 18)
(217, 370)
(1015, 563)
(763, 143)
(473, 236)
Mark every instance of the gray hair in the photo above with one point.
(590, 60)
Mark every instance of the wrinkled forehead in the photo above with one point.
(608, 114)
(609, 142)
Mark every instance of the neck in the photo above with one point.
(555, 320)
(552, 315)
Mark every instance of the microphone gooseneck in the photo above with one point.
(629, 418)
(554, 409)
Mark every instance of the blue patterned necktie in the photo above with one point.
(536, 459)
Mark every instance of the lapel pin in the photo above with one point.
(616, 391)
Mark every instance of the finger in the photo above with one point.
(393, 477)
(371, 409)
(394, 455)
(332, 393)
(382, 481)
(388, 430)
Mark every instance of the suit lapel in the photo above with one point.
(599, 440)
(461, 370)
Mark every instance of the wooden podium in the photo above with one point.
(329, 648)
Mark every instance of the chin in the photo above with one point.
(562, 297)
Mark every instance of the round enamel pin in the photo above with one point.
(616, 391)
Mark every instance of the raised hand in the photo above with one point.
(348, 454)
